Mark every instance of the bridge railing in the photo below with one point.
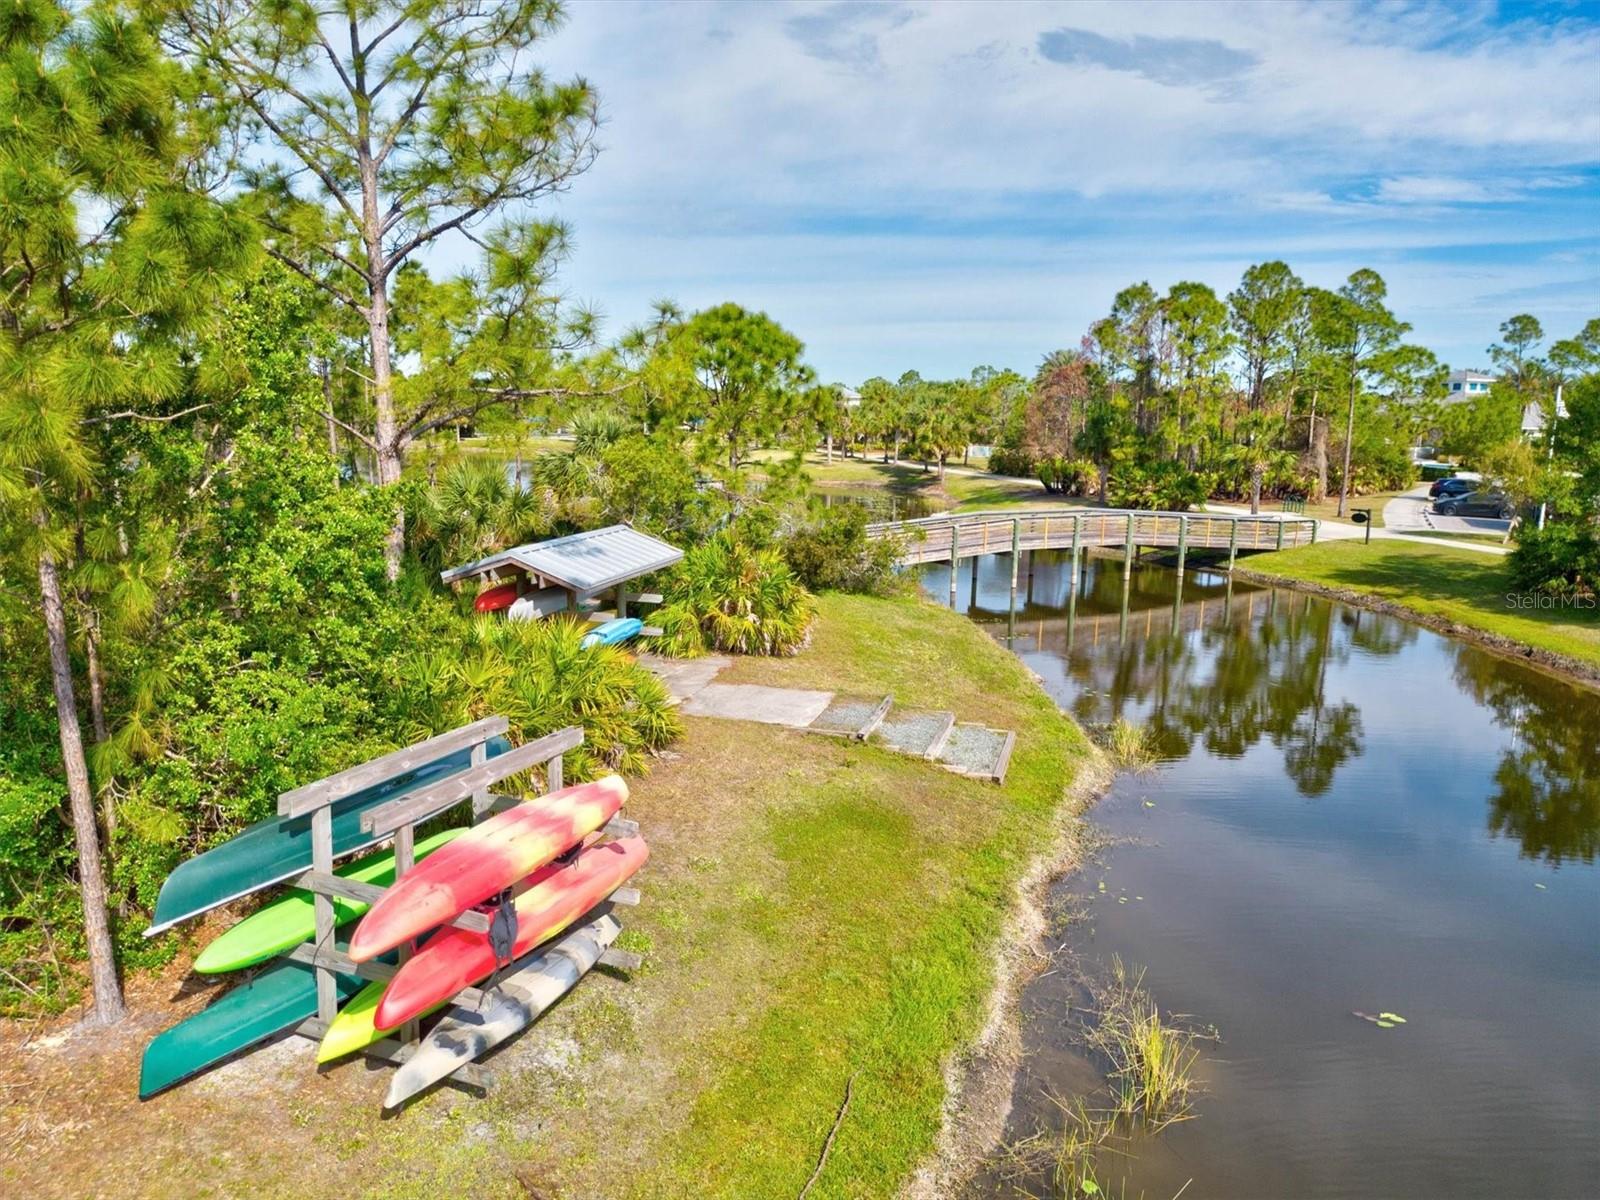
(940, 537)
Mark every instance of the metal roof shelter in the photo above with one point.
(580, 563)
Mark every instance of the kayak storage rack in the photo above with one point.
(398, 818)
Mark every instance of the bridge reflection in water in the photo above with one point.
(951, 537)
(1042, 610)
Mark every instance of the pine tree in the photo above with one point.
(383, 128)
(105, 258)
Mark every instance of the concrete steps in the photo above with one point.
(973, 750)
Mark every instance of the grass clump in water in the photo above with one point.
(1152, 1076)
(1132, 747)
(1151, 1084)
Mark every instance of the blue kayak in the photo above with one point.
(613, 633)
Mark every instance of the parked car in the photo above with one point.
(1455, 485)
(1476, 504)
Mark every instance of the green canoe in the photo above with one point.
(276, 849)
(292, 920)
(279, 998)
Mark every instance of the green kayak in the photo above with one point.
(276, 849)
(292, 920)
(278, 998)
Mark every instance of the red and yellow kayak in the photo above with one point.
(456, 958)
(485, 861)
(496, 598)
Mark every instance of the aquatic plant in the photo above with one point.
(1152, 1075)
(1132, 747)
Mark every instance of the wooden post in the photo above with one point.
(553, 781)
(1233, 544)
(1183, 543)
(480, 798)
(1280, 535)
(1314, 526)
(405, 857)
(1072, 612)
(955, 557)
(1016, 555)
(1077, 536)
(322, 907)
(1127, 548)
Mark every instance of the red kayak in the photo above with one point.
(485, 861)
(496, 598)
(557, 896)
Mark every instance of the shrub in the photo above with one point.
(727, 595)
(1165, 486)
(1011, 460)
(831, 551)
(1068, 476)
(541, 678)
(1560, 559)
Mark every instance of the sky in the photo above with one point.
(937, 186)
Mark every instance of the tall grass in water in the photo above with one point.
(1131, 746)
(1152, 1075)
(1151, 1084)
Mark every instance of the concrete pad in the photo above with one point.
(753, 702)
(685, 676)
(978, 751)
(847, 716)
(918, 731)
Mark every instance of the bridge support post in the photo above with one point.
(1233, 544)
(1127, 548)
(1016, 557)
(1077, 541)
(955, 558)
(1280, 535)
(1314, 527)
(1183, 543)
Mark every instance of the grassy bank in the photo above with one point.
(1441, 584)
(815, 912)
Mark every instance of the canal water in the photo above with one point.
(1350, 814)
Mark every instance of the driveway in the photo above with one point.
(1411, 513)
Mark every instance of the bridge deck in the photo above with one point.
(964, 535)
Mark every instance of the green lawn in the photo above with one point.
(815, 911)
(959, 491)
(1463, 586)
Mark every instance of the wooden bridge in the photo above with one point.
(948, 537)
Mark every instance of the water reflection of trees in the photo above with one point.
(1255, 677)
(1547, 786)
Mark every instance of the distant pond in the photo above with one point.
(1350, 814)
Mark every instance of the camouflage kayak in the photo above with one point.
(531, 986)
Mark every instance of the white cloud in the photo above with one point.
(872, 173)
(1453, 189)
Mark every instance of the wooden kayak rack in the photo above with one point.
(399, 818)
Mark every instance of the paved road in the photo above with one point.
(1330, 530)
(1411, 513)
